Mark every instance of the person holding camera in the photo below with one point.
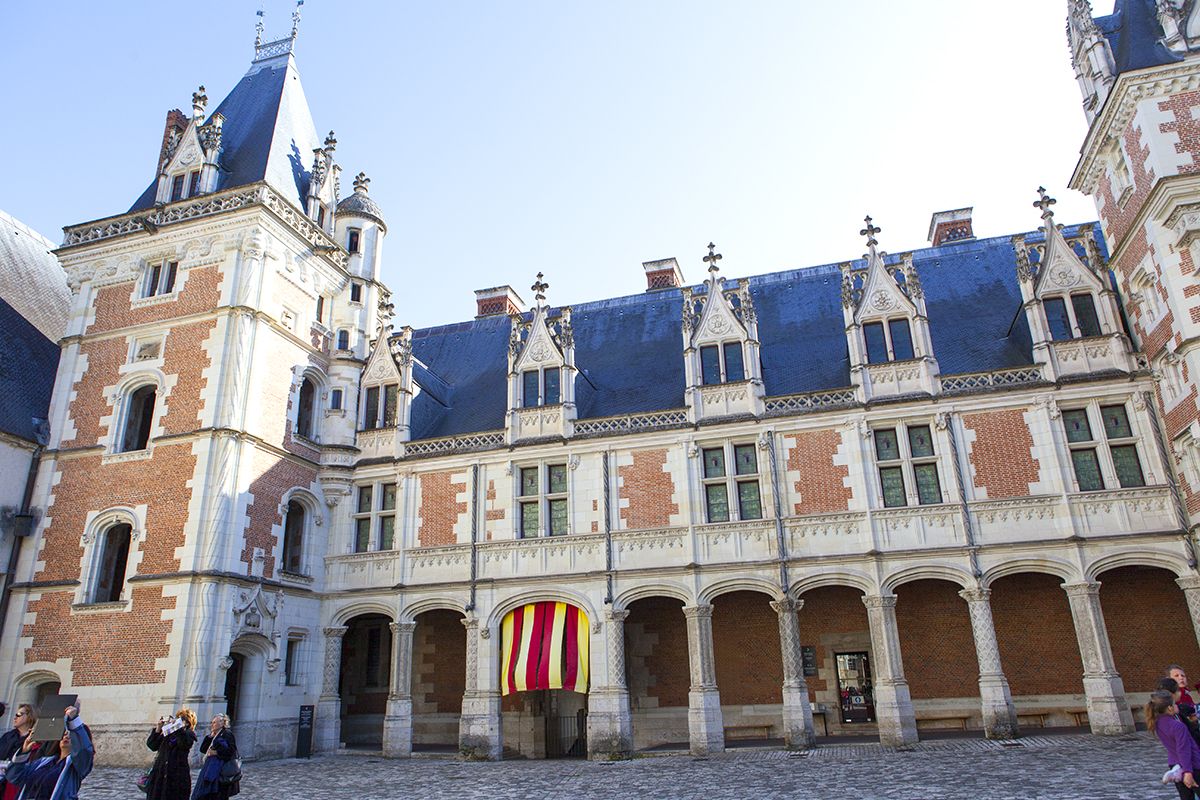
(57, 769)
(172, 738)
(220, 777)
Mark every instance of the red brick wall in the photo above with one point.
(440, 509)
(275, 478)
(90, 404)
(1186, 126)
(829, 610)
(746, 649)
(200, 293)
(666, 664)
(1119, 219)
(446, 666)
(1002, 454)
(1038, 648)
(820, 488)
(493, 512)
(936, 641)
(1148, 625)
(649, 490)
(357, 698)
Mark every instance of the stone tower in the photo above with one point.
(202, 427)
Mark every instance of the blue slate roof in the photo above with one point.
(268, 134)
(1134, 36)
(28, 363)
(629, 350)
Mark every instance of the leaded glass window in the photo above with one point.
(742, 484)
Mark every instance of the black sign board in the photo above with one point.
(808, 655)
(305, 732)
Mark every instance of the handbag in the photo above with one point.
(231, 771)
(143, 780)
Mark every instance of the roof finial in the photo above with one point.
(199, 102)
(1044, 202)
(258, 28)
(539, 289)
(361, 182)
(330, 143)
(712, 258)
(296, 19)
(870, 232)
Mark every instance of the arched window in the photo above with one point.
(343, 340)
(139, 414)
(304, 417)
(111, 562)
(293, 538)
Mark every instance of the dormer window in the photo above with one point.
(177, 188)
(353, 238)
(343, 339)
(321, 215)
(541, 387)
(160, 278)
(890, 342)
(1075, 320)
(320, 308)
(722, 363)
(355, 292)
(377, 414)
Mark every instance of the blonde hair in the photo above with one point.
(188, 716)
(30, 712)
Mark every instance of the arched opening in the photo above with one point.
(439, 667)
(938, 650)
(1039, 650)
(233, 682)
(304, 413)
(749, 667)
(292, 559)
(244, 686)
(544, 678)
(1149, 627)
(656, 672)
(139, 414)
(835, 640)
(365, 680)
(111, 563)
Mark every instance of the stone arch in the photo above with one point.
(648, 590)
(310, 506)
(739, 584)
(419, 607)
(130, 410)
(853, 579)
(1166, 560)
(360, 608)
(27, 686)
(1047, 566)
(98, 555)
(365, 677)
(937, 572)
(437, 679)
(559, 594)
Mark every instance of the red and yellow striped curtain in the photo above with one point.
(544, 646)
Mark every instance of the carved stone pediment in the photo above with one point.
(256, 613)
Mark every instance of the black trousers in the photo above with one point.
(1185, 793)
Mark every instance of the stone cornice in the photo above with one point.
(1130, 89)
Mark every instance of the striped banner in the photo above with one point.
(544, 646)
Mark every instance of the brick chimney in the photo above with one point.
(497, 300)
(951, 226)
(176, 124)
(664, 274)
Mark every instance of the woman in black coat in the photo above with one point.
(221, 748)
(171, 777)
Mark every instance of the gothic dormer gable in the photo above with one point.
(717, 313)
(540, 341)
(879, 289)
(189, 161)
(541, 371)
(382, 366)
(1056, 265)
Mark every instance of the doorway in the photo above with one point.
(566, 723)
(855, 692)
(233, 682)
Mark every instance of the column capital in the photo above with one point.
(1188, 582)
(1082, 589)
(879, 600)
(615, 614)
(335, 631)
(976, 595)
(699, 611)
(787, 605)
(402, 627)
(470, 622)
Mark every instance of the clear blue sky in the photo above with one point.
(580, 138)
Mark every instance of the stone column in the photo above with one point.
(1108, 710)
(609, 719)
(397, 720)
(479, 737)
(1191, 592)
(705, 725)
(328, 733)
(999, 713)
(797, 711)
(893, 705)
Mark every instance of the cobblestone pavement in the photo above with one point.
(1032, 768)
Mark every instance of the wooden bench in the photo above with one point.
(1025, 718)
(823, 713)
(748, 732)
(1080, 715)
(961, 719)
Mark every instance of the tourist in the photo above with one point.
(215, 782)
(1176, 673)
(10, 744)
(1182, 751)
(172, 739)
(58, 769)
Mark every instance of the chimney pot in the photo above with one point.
(497, 300)
(662, 274)
(951, 226)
